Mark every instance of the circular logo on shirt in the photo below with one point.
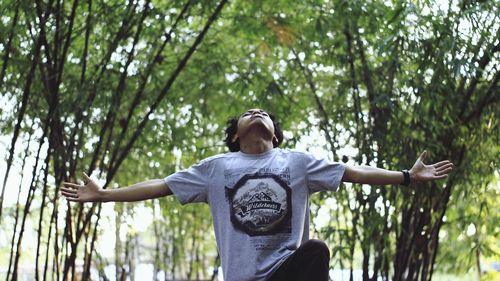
(260, 204)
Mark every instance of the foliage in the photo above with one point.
(139, 89)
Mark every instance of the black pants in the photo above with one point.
(308, 263)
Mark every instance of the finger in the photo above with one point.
(443, 172)
(71, 185)
(441, 163)
(72, 199)
(69, 190)
(69, 194)
(440, 177)
(86, 178)
(445, 167)
(422, 156)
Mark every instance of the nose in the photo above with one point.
(257, 113)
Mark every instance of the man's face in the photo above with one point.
(255, 117)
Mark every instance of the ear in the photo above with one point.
(235, 137)
(275, 139)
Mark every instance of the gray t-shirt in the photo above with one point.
(259, 204)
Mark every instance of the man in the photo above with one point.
(258, 196)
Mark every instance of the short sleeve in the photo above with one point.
(323, 175)
(190, 185)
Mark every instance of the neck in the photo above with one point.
(253, 144)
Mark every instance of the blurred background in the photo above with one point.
(134, 90)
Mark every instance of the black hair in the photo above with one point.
(232, 129)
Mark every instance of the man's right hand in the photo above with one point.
(89, 192)
(92, 192)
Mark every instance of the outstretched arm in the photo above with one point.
(92, 192)
(420, 172)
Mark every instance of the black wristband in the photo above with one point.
(406, 175)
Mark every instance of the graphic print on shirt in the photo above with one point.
(260, 204)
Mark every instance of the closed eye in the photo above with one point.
(252, 112)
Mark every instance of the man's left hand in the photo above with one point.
(421, 172)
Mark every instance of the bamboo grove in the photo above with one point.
(130, 90)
